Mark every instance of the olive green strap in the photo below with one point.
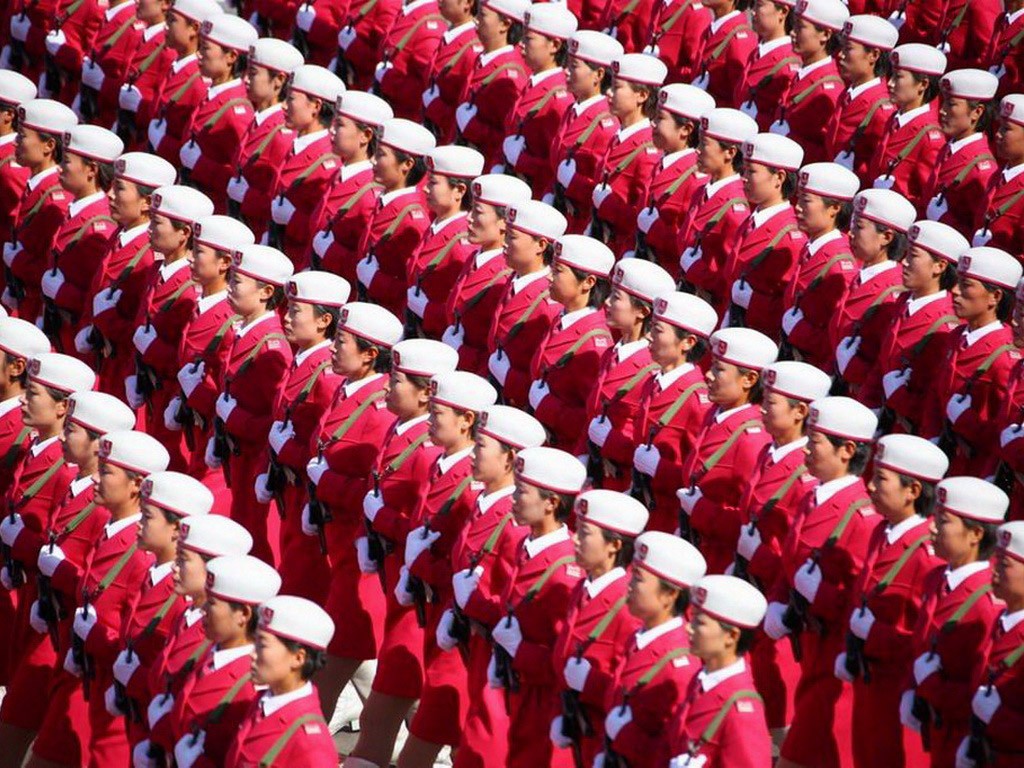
(284, 738)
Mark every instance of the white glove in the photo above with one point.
(1011, 433)
(304, 17)
(346, 37)
(69, 665)
(416, 543)
(432, 94)
(366, 270)
(308, 528)
(129, 98)
(508, 635)
(11, 251)
(156, 132)
(465, 583)
(315, 469)
(792, 319)
(324, 239)
(647, 218)
(538, 391)
(956, 406)
(35, 620)
(191, 376)
(110, 702)
(416, 300)
(688, 498)
(492, 673)
(780, 127)
(884, 182)
(104, 300)
(159, 706)
(742, 293)
(5, 57)
(51, 283)
(140, 755)
(442, 634)
(82, 345)
(689, 257)
(893, 380)
(861, 621)
(907, 712)
(11, 527)
(49, 558)
(188, 749)
(280, 433)
(143, 337)
(845, 351)
(617, 720)
(556, 734)
(372, 504)
(807, 580)
(598, 430)
(749, 541)
(566, 172)
(981, 237)
(124, 667)
(453, 337)
(92, 75)
(962, 760)
(773, 625)
(237, 188)
(282, 210)
(598, 760)
(937, 207)
(845, 159)
(171, 412)
(702, 81)
(190, 154)
(464, 115)
(210, 457)
(926, 665)
(499, 365)
(366, 564)
(600, 194)
(512, 148)
(646, 459)
(131, 391)
(55, 39)
(839, 669)
(5, 578)
(749, 108)
(263, 496)
(402, 593)
(226, 404)
(575, 672)
(985, 703)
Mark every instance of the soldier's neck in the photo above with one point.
(791, 435)
(252, 317)
(88, 189)
(962, 559)
(719, 661)
(657, 620)
(45, 165)
(981, 321)
(178, 255)
(548, 525)
(496, 485)
(10, 390)
(238, 641)
(124, 511)
(219, 285)
(928, 290)
(813, 58)
(293, 683)
(87, 468)
(723, 10)
(464, 442)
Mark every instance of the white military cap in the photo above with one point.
(538, 219)
(871, 31)
(970, 84)
(1012, 108)
(180, 494)
(371, 322)
(911, 455)
(261, 262)
(512, 9)
(551, 20)
(181, 203)
(885, 207)
(15, 88)
(312, 287)
(612, 511)
(1011, 539)
(241, 579)
(214, 536)
(364, 108)
(197, 10)
(920, 58)
(462, 391)
(843, 417)
(318, 82)
(22, 339)
(990, 265)
(775, 151)
(830, 14)
(744, 347)
(145, 169)
(686, 311)
(642, 279)
(500, 190)
(670, 558)
(686, 100)
(222, 233)
(511, 426)
(93, 142)
(640, 68)
(730, 600)
(298, 619)
(551, 469)
(99, 412)
(728, 125)
(452, 160)
(274, 54)
(423, 357)
(47, 116)
(595, 48)
(973, 498)
(61, 372)
(938, 239)
(229, 31)
(829, 180)
(796, 380)
(407, 136)
(585, 253)
(134, 451)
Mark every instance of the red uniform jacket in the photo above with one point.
(807, 107)
(218, 125)
(343, 217)
(959, 181)
(673, 184)
(725, 49)
(147, 69)
(707, 234)
(40, 17)
(310, 743)
(371, 22)
(866, 312)
(906, 153)
(999, 224)
(169, 306)
(302, 182)
(179, 96)
(628, 21)
(765, 78)
(187, 648)
(80, 22)
(322, 35)
(1002, 730)
(449, 72)
(12, 186)
(435, 268)
(394, 231)
(472, 304)
(968, 29)
(262, 153)
(307, 390)
(857, 126)
(537, 116)
(1005, 57)
(568, 361)
(276, 18)
(493, 88)
(112, 51)
(627, 168)
(407, 51)
(676, 31)
(14, 441)
(587, 129)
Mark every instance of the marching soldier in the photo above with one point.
(20, 341)
(359, 43)
(1004, 54)
(73, 29)
(406, 51)
(772, 64)
(724, 50)
(450, 69)
(105, 64)
(675, 35)
(15, 89)
(144, 70)
(999, 222)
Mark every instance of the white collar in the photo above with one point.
(645, 637)
(270, 703)
(217, 90)
(806, 70)
(709, 680)
(666, 380)
(454, 32)
(568, 319)
(539, 77)
(520, 282)
(114, 527)
(223, 658)
(596, 586)
(957, 576)
(535, 546)
(351, 387)
(905, 117)
(956, 146)
(444, 463)
(580, 107)
(625, 133)
(826, 491)
(857, 90)
(261, 116)
(913, 305)
(721, 415)
(669, 160)
(779, 452)
(34, 181)
(158, 573)
(482, 257)
(127, 235)
(41, 445)
(112, 12)
(389, 197)
(1011, 620)
(300, 357)
(712, 187)
(624, 351)
(192, 615)
(77, 206)
(153, 30)
(893, 532)
(79, 484)
(178, 64)
(348, 171)
(977, 335)
(241, 332)
(763, 49)
(487, 500)
(1012, 17)
(209, 302)
(763, 215)
(488, 56)
(170, 268)
(718, 23)
(8, 138)
(9, 405)
(815, 245)
(438, 224)
(866, 273)
(405, 426)
(1009, 174)
(408, 8)
(301, 142)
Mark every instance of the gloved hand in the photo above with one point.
(366, 563)
(512, 148)
(430, 95)
(598, 430)
(210, 457)
(5, 578)
(780, 127)
(443, 635)
(282, 210)
(956, 407)
(985, 703)
(926, 665)
(846, 351)
(417, 542)
(617, 719)
(555, 733)
(238, 187)
(861, 621)
(576, 672)
(372, 504)
(280, 433)
(323, 240)
(962, 760)
(749, 541)
(171, 414)
(1011, 433)
(304, 17)
(156, 131)
(92, 74)
(307, 525)
(566, 172)
(49, 558)
(907, 712)
(11, 527)
(191, 376)
(55, 38)
(382, 69)
(702, 81)
(124, 667)
(129, 98)
(69, 665)
(159, 706)
(508, 635)
(749, 108)
(646, 459)
(346, 37)
(938, 207)
(773, 625)
(140, 755)
(807, 580)
(366, 270)
(499, 365)
(35, 620)
(11, 251)
(688, 498)
(742, 293)
(893, 380)
(538, 391)
(689, 257)
(131, 391)
(465, 583)
(226, 404)
(600, 194)
(263, 496)
(845, 159)
(143, 337)
(190, 154)
(416, 300)
(454, 337)
(464, 115)
(792, 319)
(315, 469)
(105, 300)
(189, 748)
(981, 237)
(647, 218)
(492, 673)
(51, 283)
(839, 669)
(110, 702)
(402, 592)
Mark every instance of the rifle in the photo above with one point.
(613, 759)
(575, 724)
(277, 479)
(18, 53)
(595, 461)
(978, 747)
(126, 129)
(795, 620)
(376, 547)
(856, 661)
(78, 655)
(928, 718)
(503, 663)
(50, 609)
(87, 102)
(419, 591)
(14, 567)
(319, 515)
